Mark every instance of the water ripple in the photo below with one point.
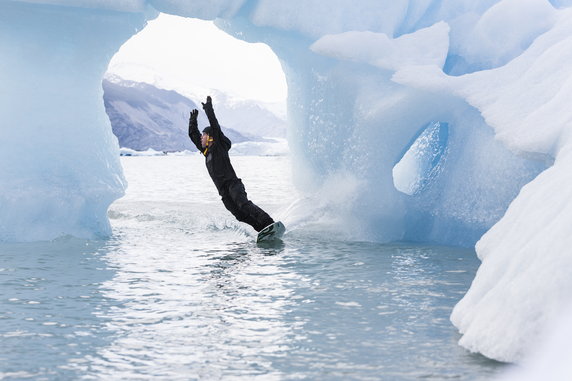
(181, 292)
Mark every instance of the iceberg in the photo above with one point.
(523, 252)
(362, 79)
(60, 167)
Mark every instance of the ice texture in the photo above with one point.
(59, 168)
(499, 36)
(363, 77)
(427, 46)
(115, 5)
(519, 287)
(551, 359)
(423, 160)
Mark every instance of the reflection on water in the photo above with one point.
(182, 292)
(49, 296)
(146, 309)
(194, 313)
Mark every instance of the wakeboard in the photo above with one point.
(271, 232)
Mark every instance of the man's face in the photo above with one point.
(204, 139)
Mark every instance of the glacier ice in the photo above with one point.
(484, 47)
(427, 46)
(522, 253)
(59, 169)
(362, 78)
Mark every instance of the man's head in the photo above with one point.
(206, 137)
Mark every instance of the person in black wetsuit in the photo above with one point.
(215, 146)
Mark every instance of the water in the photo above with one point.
(182, 292)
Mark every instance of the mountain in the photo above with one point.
(251, 117)
(143, 116)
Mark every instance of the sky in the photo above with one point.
(193, 56)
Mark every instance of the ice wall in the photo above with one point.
(347, 114)
(365, 79)
(524, 281)
(59, 165)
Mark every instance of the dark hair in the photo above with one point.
(207, 130)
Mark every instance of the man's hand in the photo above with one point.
(194, 115)
(208, 104)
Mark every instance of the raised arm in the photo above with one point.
(216, 131)
(194, 133)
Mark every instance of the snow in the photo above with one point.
(498, 36)
(363, 79)
(551, 359)
(524, 280)
(536, 87)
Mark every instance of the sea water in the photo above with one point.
(182, 292)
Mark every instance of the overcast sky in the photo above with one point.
(194, 56)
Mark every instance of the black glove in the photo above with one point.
(209, 103)
(194, 115)
(193, 119)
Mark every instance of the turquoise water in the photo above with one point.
(182, 292)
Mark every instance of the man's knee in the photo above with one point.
(235, 209)
(237, 193)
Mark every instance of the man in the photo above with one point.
(215, 146)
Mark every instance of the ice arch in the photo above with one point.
(60, 170)
(362, 76)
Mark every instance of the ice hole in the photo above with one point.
(160, 74)
(423, 159)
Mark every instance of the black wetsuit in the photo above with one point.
(229, 186)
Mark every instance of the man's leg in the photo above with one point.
(236, 201)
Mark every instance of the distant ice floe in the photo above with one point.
(123, 151)
(270, 147)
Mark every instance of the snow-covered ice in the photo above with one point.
(427, 46)
(523, 281)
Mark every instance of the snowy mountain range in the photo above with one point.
(144, 117)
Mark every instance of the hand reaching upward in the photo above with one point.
(194, 115)
(208, 104)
